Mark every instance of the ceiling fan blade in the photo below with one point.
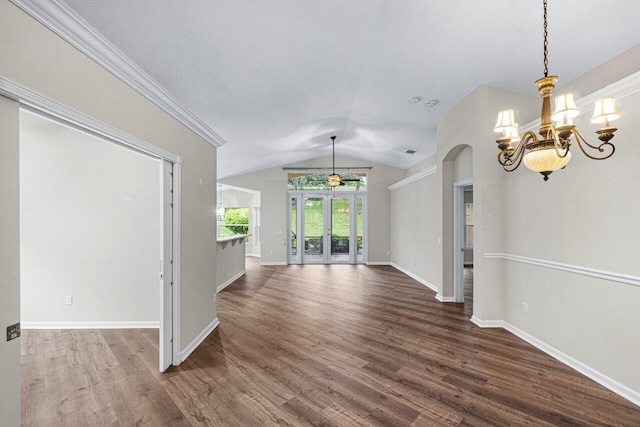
(349, 180)
(342, 183)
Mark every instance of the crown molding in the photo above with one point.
(53, 110)
(62, 20)
(621, 89)
(585, 271)
(412, 178)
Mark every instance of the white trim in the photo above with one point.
(487, 323)
(585, 271)
(91, 325)
(597, 376)
(444, 299)
(419, 279)
(230, 281)
(65, 22)
(267, 263)
(613, 385)
(198, 340)
(412, 178)
(253, 255)
(225, 187)
(177, 264)
(621, 89)
(53, 110)
(378, 263)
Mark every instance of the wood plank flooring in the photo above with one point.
(338, 345)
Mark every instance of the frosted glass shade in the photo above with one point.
(505, 121)
(566, 108)
(605, 110)
(545, 160)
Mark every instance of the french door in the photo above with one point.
(326, 228)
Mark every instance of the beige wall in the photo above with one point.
(37, 59)
(230, 259)
(9, 260)
(415, 230)
(584, 215)
(272, 184)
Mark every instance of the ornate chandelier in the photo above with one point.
(551, 152)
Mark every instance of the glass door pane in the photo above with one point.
(360, 230)
(293, 230)
(313, 211)
(340, 230)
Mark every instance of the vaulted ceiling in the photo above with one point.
(276, 79)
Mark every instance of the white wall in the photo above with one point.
(272, 184)
(44, 63)
(89, 228)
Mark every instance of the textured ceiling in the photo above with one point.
(276, 78)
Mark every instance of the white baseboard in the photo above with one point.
(253, 255)
(90, 325)
(419, 279)
(272, 263)
(487, 323)
(622, 390)
(379, 263)
(230, 281)
(444, 299)
(198, 340)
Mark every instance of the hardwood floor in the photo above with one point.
(314, 345)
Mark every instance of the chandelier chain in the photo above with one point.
(546, 42)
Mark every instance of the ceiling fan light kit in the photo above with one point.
(551, 152)
(334, 180)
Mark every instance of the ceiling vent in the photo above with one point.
(410, 151)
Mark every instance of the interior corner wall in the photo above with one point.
(272, 184)
(9, 259)
(585, 215)
(89, 229)
(46, 64)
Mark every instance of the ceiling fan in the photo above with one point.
(335, 180)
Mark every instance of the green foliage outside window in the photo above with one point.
(236, 221)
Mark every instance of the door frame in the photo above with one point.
(47, 108)
(299, 195)
(458, 238)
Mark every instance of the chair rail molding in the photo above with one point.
(585, 271)
(66, 23)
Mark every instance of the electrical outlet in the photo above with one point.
(69, 300)
(13, 331)
(525, 308)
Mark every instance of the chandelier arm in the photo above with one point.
(558, 145)
(511, 162)
(600, 148)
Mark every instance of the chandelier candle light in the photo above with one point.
(551, 152)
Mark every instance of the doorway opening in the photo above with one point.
(97, 230)
(463, 242)
(326, 227)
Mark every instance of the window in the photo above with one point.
(468, 225)
(236, 221)
(318, 181)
